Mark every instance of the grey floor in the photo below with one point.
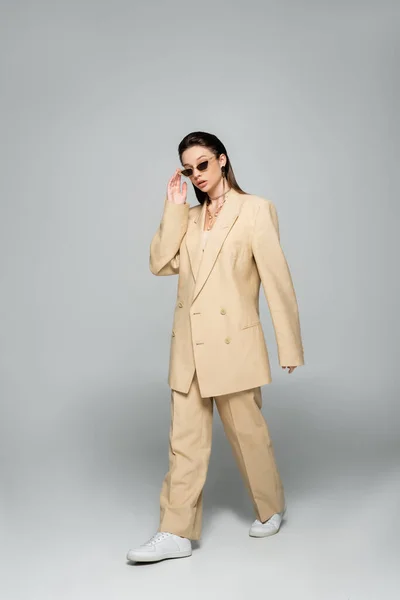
(77, 501)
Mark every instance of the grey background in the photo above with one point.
(95, 97)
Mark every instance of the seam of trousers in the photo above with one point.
(202, 448)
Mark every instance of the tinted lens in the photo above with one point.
(187, 172)
(202, 166)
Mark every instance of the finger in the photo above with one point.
(173, 181)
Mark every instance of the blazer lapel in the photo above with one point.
(217, 235)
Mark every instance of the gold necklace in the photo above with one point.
(212, 217)
(216, 197)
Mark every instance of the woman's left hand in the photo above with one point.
(291, 369)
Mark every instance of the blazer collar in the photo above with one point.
(203, 262)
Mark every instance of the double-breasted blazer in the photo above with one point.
(216, 327)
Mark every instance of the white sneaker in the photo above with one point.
(270, 527)
(162, 545)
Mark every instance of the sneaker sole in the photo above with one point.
(262, 533)
(132, 557)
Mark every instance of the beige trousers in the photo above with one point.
(181, 497)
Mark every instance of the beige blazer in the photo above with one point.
(216, 326)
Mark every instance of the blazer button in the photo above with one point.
(180, 304)
(173, 334)
(227, 340)
(223, 311)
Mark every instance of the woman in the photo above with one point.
(222, 250)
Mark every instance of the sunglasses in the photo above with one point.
(203, 166)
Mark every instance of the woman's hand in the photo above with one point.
(291, 369)
(174, 193)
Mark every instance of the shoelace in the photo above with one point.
(157, 537)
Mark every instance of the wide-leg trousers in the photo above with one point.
(181, 500)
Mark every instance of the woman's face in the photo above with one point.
(209, 178)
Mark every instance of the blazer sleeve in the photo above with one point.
(278, 285)
(164, 248)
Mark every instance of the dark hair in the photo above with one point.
(210, 141)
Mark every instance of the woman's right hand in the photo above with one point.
(174, 193)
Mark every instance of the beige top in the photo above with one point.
(203, 242)
(204, 239)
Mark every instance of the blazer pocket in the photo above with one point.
(252, 324)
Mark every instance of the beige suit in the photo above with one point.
(218, 350)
